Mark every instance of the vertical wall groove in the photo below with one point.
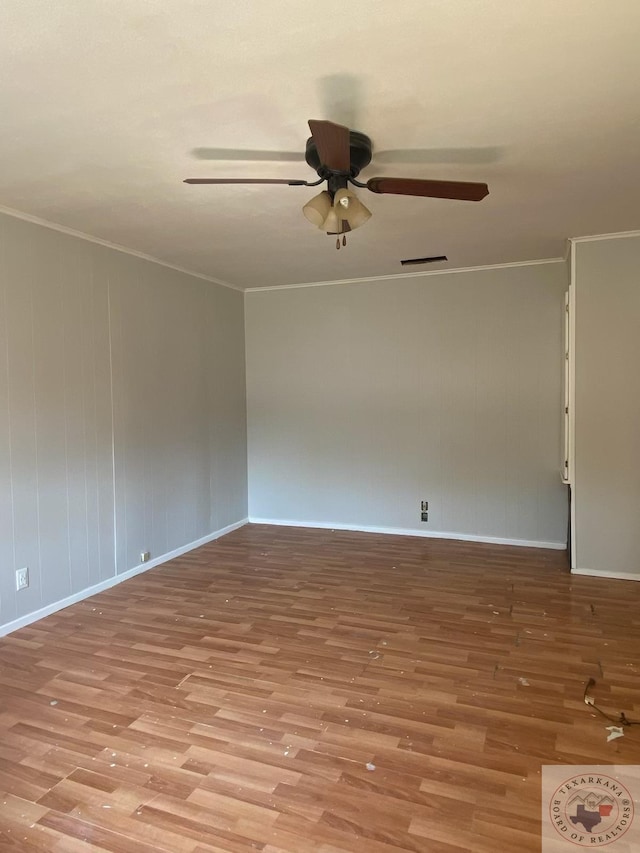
(113, 431)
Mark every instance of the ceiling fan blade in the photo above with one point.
(461, 190)
(332, 142)
(486, 154)
(249, 154)
(292, 183)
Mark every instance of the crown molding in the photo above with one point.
(617, 235)
(71, 232)
(406, 275)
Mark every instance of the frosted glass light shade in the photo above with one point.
(332, 224)
(348, 206)
(318, 209)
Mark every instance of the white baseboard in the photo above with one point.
(599, 573)
(407, 531)
(23, 621)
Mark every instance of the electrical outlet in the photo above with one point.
(22, 578)
(144, 556)
(424, 516)
(424, 506)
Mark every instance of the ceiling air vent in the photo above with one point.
(410, 261)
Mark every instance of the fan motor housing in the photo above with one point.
(360, 146)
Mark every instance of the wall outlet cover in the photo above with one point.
(22, 578)
(144, 556)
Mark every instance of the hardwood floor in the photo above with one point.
(307, 690)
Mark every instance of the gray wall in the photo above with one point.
(102, 351)
(606, 490)
(364, 399)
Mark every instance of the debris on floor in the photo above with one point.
(614, 732)
(588, 700)
(371, 766)
(621, 719)
(524, 682)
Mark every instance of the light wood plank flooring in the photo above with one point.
(307, 690)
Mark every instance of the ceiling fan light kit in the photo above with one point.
(345, 212)
(338, 155)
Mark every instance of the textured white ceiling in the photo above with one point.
(103, 103)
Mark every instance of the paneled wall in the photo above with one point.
(122, 425)
(365, 399)
(606, 484)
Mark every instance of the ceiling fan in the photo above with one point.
(338, 155)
